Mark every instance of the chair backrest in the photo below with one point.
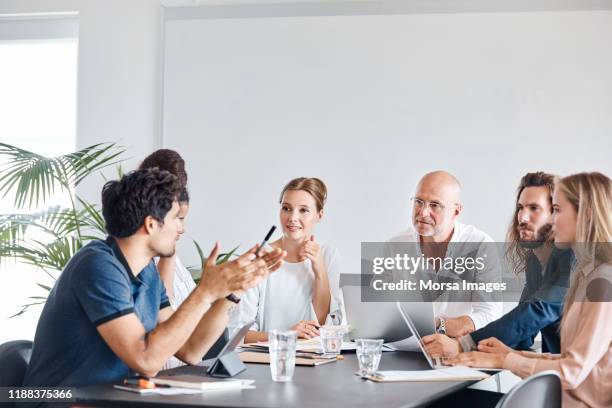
(14, 359)
(542, 390)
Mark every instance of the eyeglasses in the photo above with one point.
(434, 206)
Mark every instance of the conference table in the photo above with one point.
(326, 385)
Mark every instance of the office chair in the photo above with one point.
(14, 359)
(542, 390)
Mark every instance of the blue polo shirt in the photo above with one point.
(95, 287)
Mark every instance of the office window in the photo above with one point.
(38, 83)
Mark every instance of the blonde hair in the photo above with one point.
(591, 196)
(313, 186)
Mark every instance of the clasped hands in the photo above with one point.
(491, 351)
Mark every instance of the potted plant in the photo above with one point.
(31, 179)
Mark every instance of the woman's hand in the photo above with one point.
(307, 329)
(493, 345)
(477, 359)
(311, 249)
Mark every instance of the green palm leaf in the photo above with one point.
(196, 271)
(55, 221)
(51, 257)
(35, 177)
(31, 179)
(92, 217)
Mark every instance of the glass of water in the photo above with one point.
(368, 354)
(331, 339)
(282, 354)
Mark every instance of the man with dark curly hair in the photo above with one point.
(108, 314)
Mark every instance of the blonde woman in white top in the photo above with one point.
(304, 291)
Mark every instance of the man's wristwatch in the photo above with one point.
(442, 326)
(233, 298)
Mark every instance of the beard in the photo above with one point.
(162, 252)
(167, 254)
(541, 236)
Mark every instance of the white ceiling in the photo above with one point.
(191, 3)
(421, 5)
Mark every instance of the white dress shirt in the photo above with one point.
(481, 312)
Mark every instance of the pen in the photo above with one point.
(140, 382)
(233, 298)
(265, 241)
(143, 382)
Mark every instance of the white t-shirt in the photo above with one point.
(285, 297)
(183, 283)
(481, 313)
(182, 287)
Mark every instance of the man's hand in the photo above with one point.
(477, 359)
(238, 275)
(493, 345)
(439, 345)
(459, 326)
(273, 259)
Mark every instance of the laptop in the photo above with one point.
(382, 320)
(434, 362)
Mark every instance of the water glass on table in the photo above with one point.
(331, 339)
(369, 352)
(282, 354)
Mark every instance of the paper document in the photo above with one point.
(409, 344)
(164, 391)
(201, 383)
(456, 373)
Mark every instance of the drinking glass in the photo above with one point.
(282, 354)
(368, 354)
(331, 340)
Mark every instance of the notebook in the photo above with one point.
(264, 358)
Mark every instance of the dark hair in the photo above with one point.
(139, 193)
(169, 160)
(515, 253)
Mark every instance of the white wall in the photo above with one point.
(371, 102)
(553, 97)
(119, 72)
(118, 99)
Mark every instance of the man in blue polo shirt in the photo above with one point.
(547, 271)
(108, 315)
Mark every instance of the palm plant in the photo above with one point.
(33, 179)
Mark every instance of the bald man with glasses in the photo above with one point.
(437, 232)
